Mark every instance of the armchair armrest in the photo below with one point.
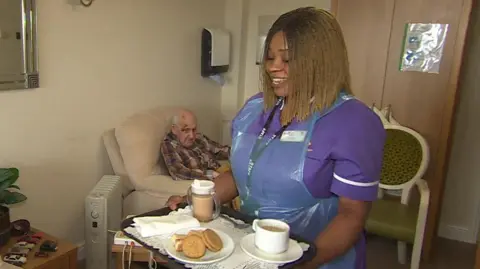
(423, 189)
(162, 184)
(422, 186)
(422, 216)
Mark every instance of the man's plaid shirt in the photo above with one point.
(192, 163)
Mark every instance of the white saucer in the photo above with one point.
(209, 257)
(293, 253)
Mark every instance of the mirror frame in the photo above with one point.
(29, 78)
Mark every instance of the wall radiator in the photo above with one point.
(103, 213)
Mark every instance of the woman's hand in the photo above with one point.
(225, 188)
(174, 201)
(342, 233)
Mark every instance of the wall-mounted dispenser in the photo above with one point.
(264, 24)
(215, 58)
(85, 3)
(260, 49)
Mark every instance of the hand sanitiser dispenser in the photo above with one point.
(215, 57)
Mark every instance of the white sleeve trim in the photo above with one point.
(354, 183)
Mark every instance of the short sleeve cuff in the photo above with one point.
(361, 190)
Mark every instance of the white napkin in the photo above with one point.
(4, 265)
(153, 226)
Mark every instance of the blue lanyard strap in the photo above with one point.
(257, 150)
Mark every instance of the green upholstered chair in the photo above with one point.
(406, 157)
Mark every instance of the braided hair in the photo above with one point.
(318, 63)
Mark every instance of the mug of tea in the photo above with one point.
(271, 236)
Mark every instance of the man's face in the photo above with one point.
(186, 131)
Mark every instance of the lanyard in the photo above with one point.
(257, 150)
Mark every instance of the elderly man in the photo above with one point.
(191, 155)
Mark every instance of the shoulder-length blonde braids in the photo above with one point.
(318, 63)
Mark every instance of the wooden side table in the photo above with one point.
(139, 254)
(64, 258)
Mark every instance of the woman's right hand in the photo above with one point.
(225, 189)
(174, 200)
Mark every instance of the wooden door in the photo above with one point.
(425, 102)
(477, 260)
(477, 257)
(374, 32)
(366, 27)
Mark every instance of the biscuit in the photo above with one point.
(176, 237)
(179, 245)
(195, 232)
(193, 246)
(212, 241)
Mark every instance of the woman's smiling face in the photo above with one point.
(276, 64)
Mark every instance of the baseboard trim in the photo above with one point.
(81, 251)
(456, 233)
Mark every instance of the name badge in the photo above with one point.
(293, 136)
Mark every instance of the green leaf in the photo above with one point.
(9, 174)
(14, 187)
(6, 184)
(12, 197)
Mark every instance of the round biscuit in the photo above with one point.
(212, 240)
(195, 232)
(209, 246)
(193, 246)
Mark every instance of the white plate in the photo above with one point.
(209, 257)
(293, 253)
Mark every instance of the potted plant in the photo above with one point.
(9, 195)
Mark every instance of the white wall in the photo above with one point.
(97, 66)
(460, 217)
(236, 15)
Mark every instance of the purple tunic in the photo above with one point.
(344, 157)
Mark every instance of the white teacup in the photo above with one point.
(271, 236)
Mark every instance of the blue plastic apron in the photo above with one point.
(274, 186)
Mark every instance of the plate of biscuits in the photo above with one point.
(199, 245)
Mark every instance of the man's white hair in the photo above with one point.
(175, 120)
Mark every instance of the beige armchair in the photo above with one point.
(134, 152)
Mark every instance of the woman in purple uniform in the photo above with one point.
(304, 150)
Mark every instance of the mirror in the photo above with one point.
(18, 51)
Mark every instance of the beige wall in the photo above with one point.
(98, 65)
(461, 206)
